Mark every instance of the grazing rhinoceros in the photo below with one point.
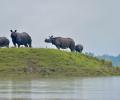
(61, 42)
(79, 48)
(4, 42)
(21, 39)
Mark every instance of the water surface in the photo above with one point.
(98, 88)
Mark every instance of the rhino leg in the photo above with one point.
(72, 49)
(30, 45)
(7, 46)
(25, 45)
(14, 42)
(58, 47)
(18, 45)
(14, 45)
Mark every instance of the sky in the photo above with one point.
(93, 23)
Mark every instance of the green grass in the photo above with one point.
(51, 62)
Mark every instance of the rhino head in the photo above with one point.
(13, 34)
(49, 40)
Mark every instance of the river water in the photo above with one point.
(95, 88)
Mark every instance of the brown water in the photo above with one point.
(99, 88)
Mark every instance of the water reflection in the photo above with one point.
(106, 88)
(10, 90)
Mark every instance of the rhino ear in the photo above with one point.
(11, 31)
(15, 30)
(51, 36)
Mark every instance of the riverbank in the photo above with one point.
(42, 62)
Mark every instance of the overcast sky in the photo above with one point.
(93, 23)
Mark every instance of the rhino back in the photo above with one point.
(64, 42)
(23, 38)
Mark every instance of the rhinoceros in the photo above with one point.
(79, 48)
(4, 42)
(61, 42)
(21, 38)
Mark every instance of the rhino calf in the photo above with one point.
(79, 48)
(4, 42)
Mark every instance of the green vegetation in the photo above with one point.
(42, 62)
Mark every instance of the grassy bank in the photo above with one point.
(51, 62)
